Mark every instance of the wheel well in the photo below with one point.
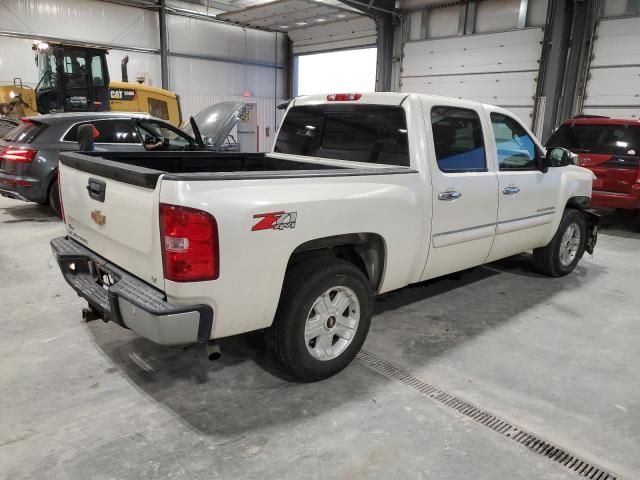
(579, 203)
(365, 250)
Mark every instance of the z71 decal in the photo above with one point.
(275, 221)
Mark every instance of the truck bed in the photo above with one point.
(144, 168)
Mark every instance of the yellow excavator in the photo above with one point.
(75, 78)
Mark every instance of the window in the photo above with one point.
(75, 69)
(158, 108)
(360, 133)
(97, 72)
(25, 132)
(152, 133)
(110, 131)
(606, 139)
(516, 149)
(457, 136)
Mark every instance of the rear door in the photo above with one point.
(465, 188)
(117, 219)
(610, 150)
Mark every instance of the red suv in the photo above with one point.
(610, 148)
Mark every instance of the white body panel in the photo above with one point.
(423, 236)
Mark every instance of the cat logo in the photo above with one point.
(98, 217)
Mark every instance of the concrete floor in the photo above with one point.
(557, 356)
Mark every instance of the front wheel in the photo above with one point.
(322, 319)
(565, 250)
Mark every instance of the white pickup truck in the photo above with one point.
(362, 194)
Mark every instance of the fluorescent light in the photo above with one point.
(320, 20)
(284, 26)
(300, 24)
(341, 15)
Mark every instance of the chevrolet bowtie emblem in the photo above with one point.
(98, 217)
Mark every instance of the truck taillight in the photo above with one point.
(18, 155)
(344, 97)
(189, 239)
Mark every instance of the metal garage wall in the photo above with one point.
(488, 51)
(352, 33)
(613, 88)
(207, 60)
(497, 68)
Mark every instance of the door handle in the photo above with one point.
(448, 196)
(511, 190)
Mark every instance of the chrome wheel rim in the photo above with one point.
(332, 323)
(569, 245)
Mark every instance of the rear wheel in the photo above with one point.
(322, 319)
(566, 248)
(54, 197)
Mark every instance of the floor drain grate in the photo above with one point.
(497, 424)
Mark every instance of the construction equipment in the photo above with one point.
(75, 78)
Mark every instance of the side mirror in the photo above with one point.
(560, 157)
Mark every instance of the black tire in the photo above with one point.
(546, 260)
(303, 285)
(54, 198)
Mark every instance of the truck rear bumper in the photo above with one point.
(129, 301)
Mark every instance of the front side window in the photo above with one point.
(109, 131)
(516, 149)
(159, 136)
(458, 140)
(360, 133)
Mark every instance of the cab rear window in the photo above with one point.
(599, 139)
(26, 132)
(361, 133)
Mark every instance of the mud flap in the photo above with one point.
(593, 219)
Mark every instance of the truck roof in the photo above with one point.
(74, 115)
(381, 98)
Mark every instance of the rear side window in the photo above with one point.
(458, 140)
(26, 132)
(599, 139)
(361, 133)
(110, 131)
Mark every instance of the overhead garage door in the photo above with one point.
(312, 25)
(496, 68)
(613, 88)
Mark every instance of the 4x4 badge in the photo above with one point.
(275, 221)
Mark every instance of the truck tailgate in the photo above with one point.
(114, 218)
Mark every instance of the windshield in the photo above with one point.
(25, 132)
(602, 139)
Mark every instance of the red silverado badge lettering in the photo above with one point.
(275, 221)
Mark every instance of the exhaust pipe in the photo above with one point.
(213, 350)
(90, 314)
(123, 67)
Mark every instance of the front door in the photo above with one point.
(465, 188)
(527, 197)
